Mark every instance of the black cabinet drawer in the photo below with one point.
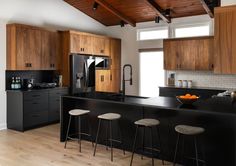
(34, 119)
(58, 92)
(35, 95)
(36, 104)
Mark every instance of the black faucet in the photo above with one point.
(124, 80)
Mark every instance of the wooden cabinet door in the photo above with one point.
(115, 78)
(103, 83)
(171, 54)
(101, 46)
(49, 50)
(75, 45)
(225, 40)
(28, 49)
(115, 53)
(205, 47)
(187, 50)
(86, 44)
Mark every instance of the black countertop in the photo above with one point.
(35, 89)
(217, 105)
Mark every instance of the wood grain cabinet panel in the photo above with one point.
(31, 48)
(103, 81)
(188, 53)
(115, 80)
(115, 53)
(101, 46)
(50, 53)
(225, 40)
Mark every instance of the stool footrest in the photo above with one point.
(192, 158)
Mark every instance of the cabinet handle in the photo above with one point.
(35, 103)
(81, 49)
(35, 116)
(102, 78)
(30, 65)
(111, 77)
(212, 66)
(102, 51)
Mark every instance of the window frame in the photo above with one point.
(189, 26)
(139, 31)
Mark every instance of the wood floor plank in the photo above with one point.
(41, 147)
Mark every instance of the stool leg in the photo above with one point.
(143, 141)
(90, 132)
(107, 138)
(79, 120)
(134, 144)
(121, 139)
(67, 133)
(111, 140)
(195, 144)
(159, 140)
(99, 125)
(152, 146)
(176, 149)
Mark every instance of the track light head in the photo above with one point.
(157, 19)
(167, 12)
(122, 23)
(95, 6)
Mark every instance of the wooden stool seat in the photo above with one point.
(189, 130)
(147, 122)
(78, 112)
(109, 116)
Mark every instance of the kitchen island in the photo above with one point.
(216, 115)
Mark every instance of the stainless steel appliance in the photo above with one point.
(102, 63)
(82, 73)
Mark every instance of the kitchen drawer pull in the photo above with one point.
(111, 77)
(35, 116)
(35, 103)
(102, 78)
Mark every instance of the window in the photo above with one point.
(153, 33)
(193, 30)
(152, 74)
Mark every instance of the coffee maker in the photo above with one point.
(28, 83)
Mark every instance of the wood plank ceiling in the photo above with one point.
(136, 11)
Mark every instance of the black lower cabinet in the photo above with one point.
(31, 109)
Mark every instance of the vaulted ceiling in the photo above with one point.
(114, 12)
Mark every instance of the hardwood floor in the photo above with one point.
(41, 147)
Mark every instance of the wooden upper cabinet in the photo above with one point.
(23, 48)
(225, 40)
(188, 53)
(115, 53)
(101, 46)
(80, 43)
(31, 48)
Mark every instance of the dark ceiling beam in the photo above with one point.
(207, 8)
(158, 10)
(111, 9)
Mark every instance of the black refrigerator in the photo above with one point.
(82, 73)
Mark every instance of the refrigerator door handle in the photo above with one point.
(86, 74)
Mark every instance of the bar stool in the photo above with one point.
(76, 113)
(184, 130)
(109, 117)
(147, 123)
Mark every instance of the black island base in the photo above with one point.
(216, 115)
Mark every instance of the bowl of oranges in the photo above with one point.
(187, 98)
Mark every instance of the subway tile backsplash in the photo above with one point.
(206, 79)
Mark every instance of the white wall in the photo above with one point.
(228, 2)
(52, 14)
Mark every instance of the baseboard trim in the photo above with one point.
(3, 126)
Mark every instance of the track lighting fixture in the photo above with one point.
(157, 19)
(122, 23)
(167, 12)
(95, 6)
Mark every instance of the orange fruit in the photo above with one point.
(188, 95)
